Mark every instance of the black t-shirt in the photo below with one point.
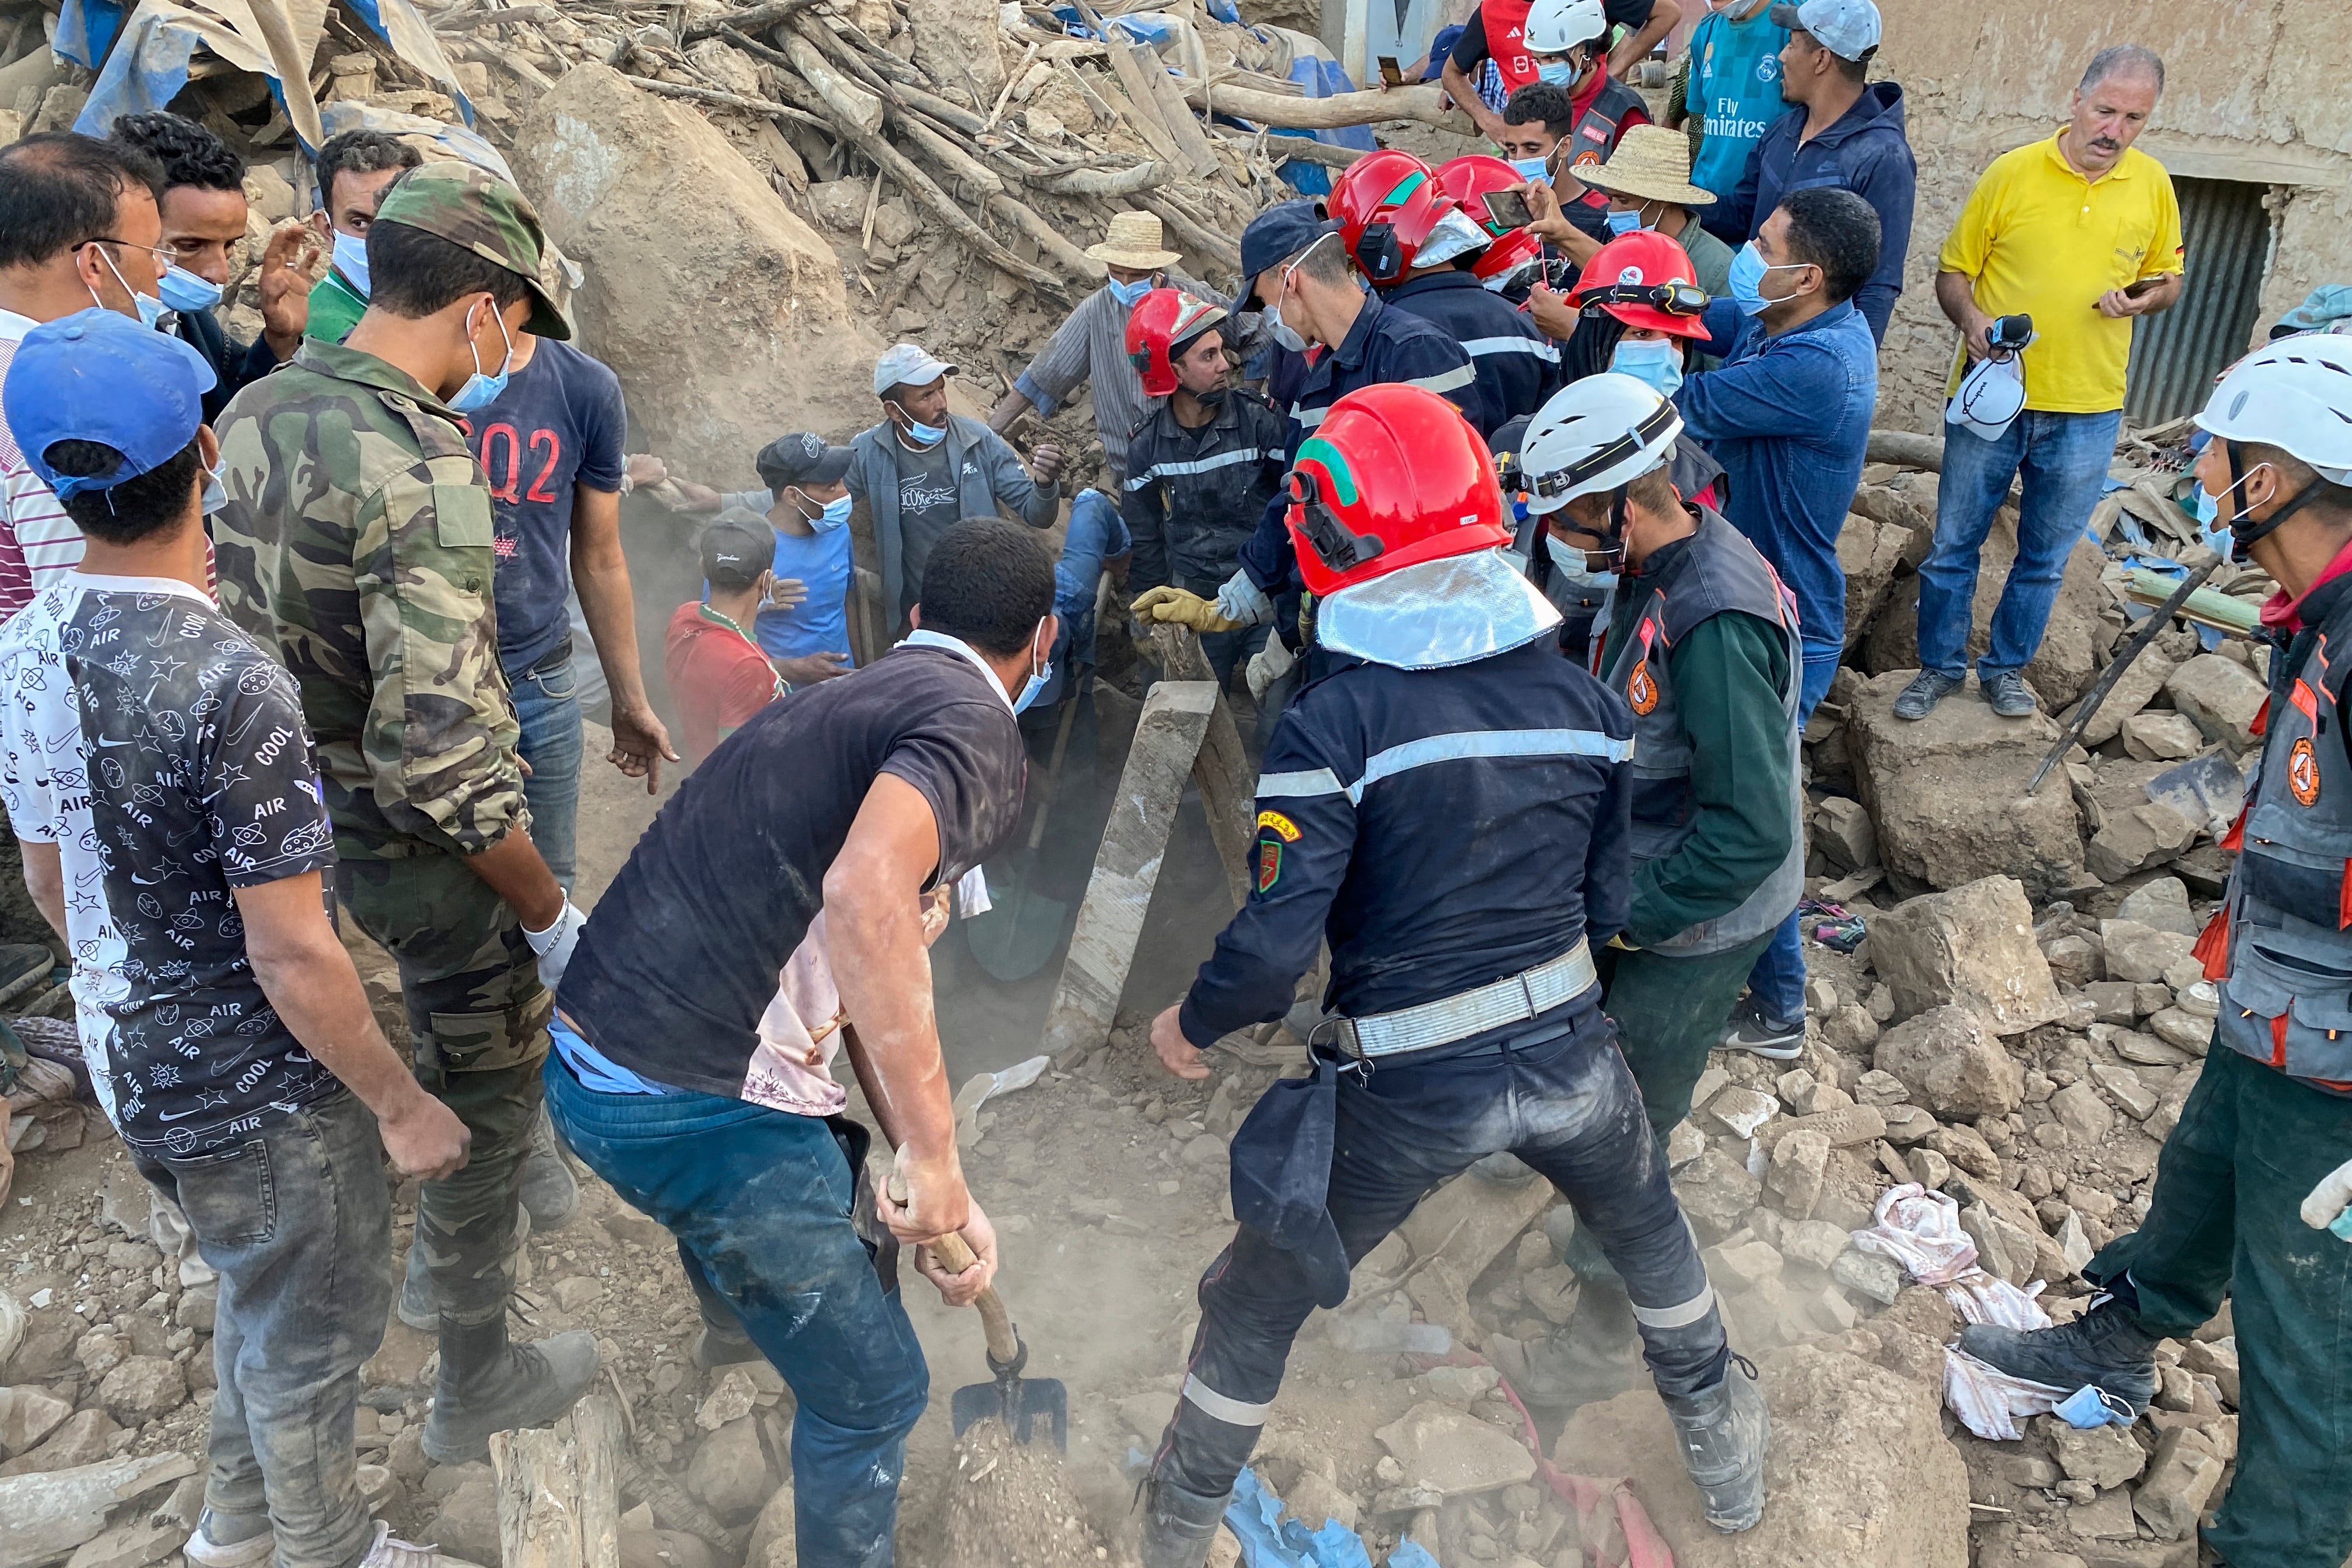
(1471, 46)
(681, 955)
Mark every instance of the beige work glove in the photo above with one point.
(1174, 607)
(1269, 665)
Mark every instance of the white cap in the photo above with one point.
(1988, 398)
(908, 364)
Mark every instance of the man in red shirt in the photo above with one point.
(717, 676)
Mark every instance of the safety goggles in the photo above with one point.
(1335, 544)
(1673, 299)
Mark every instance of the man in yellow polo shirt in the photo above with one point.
(2081, 232)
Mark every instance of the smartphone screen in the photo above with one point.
(1508, 208)
(1389, 73)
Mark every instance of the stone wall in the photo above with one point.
(2254, 91)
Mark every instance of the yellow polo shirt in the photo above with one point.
(2040, 239)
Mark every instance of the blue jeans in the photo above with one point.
(2064, 459)
(1560, 1096)
(761, 1201)
(298, 1222)
(547, 704)
(1778, 981)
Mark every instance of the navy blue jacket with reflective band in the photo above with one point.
(1444, 828)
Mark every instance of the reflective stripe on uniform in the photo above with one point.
(1682, 1317)
(1307, 418)
(1200, 466)
(1232, 1412)
(1460, 376)
(1458, 747)
(1542, 350)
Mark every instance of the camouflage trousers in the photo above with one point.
(479, 1017)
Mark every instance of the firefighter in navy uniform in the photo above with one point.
(1201, 466)
(2254, 1190)
(1403, 789)
(1414, 238)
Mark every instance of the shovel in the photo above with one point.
(1020, 1403)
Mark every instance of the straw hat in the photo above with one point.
(1651, 164)
(1134, 240)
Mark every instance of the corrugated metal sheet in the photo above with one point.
(2175, 355)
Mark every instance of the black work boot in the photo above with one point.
(1722, 1431)
(1179, 1525)
(489, 1384)
(2105, 1348)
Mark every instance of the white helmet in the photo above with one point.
(2294, 394)
(1595, 435)
(1556, 26)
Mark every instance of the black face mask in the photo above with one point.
(1213, 398)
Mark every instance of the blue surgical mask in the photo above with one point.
(1622, 223)
(1533, 168)
(184, 291)
(1656, 362)
(350, 260)
(1128, 293)
(1747, 273)
(917, 433)
(1038, 678)
(480, 391)
(216, 492)
(835, 513)
(149, 309)
(1558, 73)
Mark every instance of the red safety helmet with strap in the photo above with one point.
(1387, 203)
(1645, 279)
(1393, 477)
(1161, 320)
(1469, 180)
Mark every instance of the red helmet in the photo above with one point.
(1161, 320)
(1393, 477)
(1506, 257)
(1387, 203)
(1645, 279)
(1468, 180)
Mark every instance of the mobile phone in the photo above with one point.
(2134, 291)
(1390, 71)
(1508, 208)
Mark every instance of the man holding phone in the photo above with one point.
(2082, 232)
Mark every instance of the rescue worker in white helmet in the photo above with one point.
(1446, 805)
(2254, 1190)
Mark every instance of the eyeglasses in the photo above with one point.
(165, 256)
(1673, 299)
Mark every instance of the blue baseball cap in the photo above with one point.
(1274, 236)
(99, 375)
(1847, 28)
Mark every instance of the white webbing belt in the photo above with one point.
(1511, 1000)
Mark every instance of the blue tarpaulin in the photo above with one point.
(1268, 1541)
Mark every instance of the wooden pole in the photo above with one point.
(558, 1489)
(1425, 104)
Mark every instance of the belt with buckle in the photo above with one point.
(1514, 999)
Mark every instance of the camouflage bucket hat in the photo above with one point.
(473, 208)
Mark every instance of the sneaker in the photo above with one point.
(1927, 687)
(2105, 1348)
(1750, 1030)
(390, 1552)
(550, 1193)
(714, 1347)
(1722, 1432)
(229, 1540)
(2010, 696)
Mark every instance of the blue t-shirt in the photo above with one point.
(824, 561)
(1735, 90)
(558, 423)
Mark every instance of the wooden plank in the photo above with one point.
(1192, 142)
(1167, 736)
(1140, 108)
(1221, 771)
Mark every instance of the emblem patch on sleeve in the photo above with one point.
(1269, 863)
(1279, 824)
(1642, 688)
(2303, 771)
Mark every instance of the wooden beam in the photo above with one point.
(1425, 104)
(750, 21)
(1167, 737)
(558, 1489)
(1221, 771)
(1908, 450)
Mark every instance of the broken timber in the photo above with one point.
(560, 1491)
(1228, 792)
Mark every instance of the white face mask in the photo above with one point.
(1568, 563)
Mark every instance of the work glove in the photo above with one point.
(1269, 665)
(554, 944)
(2329, 1206)
(1174, 607)
(1243, 601)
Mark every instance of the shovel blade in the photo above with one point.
(1015, 940)
(1030, 1403)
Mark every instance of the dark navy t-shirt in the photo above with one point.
(558, 423)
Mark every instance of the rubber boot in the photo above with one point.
(1723, 1431)
(1179, 1525)
(549, 1195)
(418, 1307)
(489, 1384)
(2106, 1347)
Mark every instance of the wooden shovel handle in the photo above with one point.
(955, 1254)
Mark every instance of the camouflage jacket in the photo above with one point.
(356, 542)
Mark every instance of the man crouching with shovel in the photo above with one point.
(686, 1078)
(1449, 806)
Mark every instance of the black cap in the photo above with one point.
(1274, 236)
(802, 458)
(734, 552)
